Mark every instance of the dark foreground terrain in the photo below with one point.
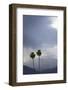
(28, 70)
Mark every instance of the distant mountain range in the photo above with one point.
(29, 70)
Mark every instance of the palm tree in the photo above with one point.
(32, 55)
(39, 54)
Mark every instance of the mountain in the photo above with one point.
(28, 70)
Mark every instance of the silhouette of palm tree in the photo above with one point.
(39, 54)
(32, 55)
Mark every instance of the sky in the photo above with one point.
(40, 32)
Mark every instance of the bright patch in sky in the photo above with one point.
(54, 23)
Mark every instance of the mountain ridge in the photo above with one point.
(29, 70)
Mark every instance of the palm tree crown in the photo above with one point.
(32, 55)
(39, 52)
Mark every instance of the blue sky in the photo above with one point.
(40, 32)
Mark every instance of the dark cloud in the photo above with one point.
(37, 31)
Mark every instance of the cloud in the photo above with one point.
(26, 54)
(39, 30)
(54, 23)
(46, 53)
(52, 52)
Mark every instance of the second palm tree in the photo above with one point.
(39, 54)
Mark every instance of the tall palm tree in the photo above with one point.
(39, 54)
(32, 55)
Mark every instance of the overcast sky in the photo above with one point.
(40, 32)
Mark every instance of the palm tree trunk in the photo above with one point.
(39, 64)
(33, 65)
